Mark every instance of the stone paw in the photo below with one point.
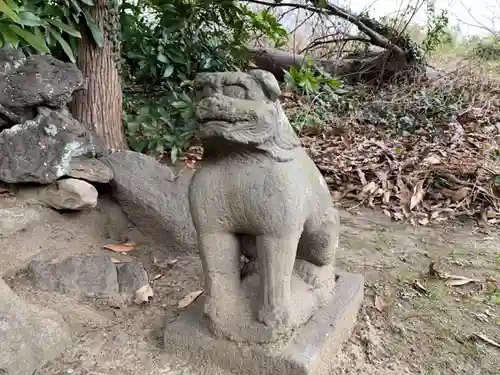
(309, 273)
(275, 316)
(211, 311)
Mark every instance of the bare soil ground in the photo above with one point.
(417, 326)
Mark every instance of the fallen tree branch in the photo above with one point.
(318, 42)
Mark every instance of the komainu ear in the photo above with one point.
(268, 83)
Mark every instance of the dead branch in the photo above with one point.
(322, 41)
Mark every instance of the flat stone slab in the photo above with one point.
(311, 350)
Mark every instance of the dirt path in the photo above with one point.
(424, 331)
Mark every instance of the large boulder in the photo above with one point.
(29, 336)
(30, 82)
(41, 150)
(154, 198)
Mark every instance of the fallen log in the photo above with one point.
(372, 67)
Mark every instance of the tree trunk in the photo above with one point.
(99, 105)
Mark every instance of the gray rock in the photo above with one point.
(41, 150)
(29, 336)
(79, 276)
(10, 59)
(90, 170)
(30, 82)
(154, 199)
(15, 219)
(132, 276)
(68, 194)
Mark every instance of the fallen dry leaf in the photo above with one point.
(191, 164)
(379, 303)
(4, 191)
(369, 188)
(195, 156)
(189, 299)
(432, 160)
(419, 287)
(143, 295)
(459, 280)
(487, 339)
(460, 194)
(121, 247)
(336, 195)
(418, 194)
(450, 280)
(157, 276)
(118, 261)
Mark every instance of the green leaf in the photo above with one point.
(179, 104)
(29, 19)
(78, 10)
(13, 5)
(65, 46)
(66, 28)
(4, 8)
(33, 40)
(162, 58)
(168, 71)
(174, 154)
(9, 35)
(97, 33)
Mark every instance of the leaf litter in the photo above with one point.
(445, 168)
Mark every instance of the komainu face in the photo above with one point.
(243, 108)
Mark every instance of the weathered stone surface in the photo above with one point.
(34, 81)
(80, 276)
(41, 150)
(131, 276)
(256, 180)
(91, 170)
(15, 219)
(29, 336)
(154, 199)
(310, 351)
(68, 194)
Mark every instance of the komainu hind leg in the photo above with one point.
(317, 247)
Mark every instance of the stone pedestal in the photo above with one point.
(310, 351)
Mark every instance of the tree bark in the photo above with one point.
(99, 105)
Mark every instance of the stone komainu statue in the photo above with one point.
(259, 194)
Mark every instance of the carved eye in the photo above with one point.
(234, 91)
(204, 92)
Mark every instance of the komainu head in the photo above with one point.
(243, 109)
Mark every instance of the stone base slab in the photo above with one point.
(311, 350)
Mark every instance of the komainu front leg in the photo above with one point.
(220, 256)
(276, 260)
